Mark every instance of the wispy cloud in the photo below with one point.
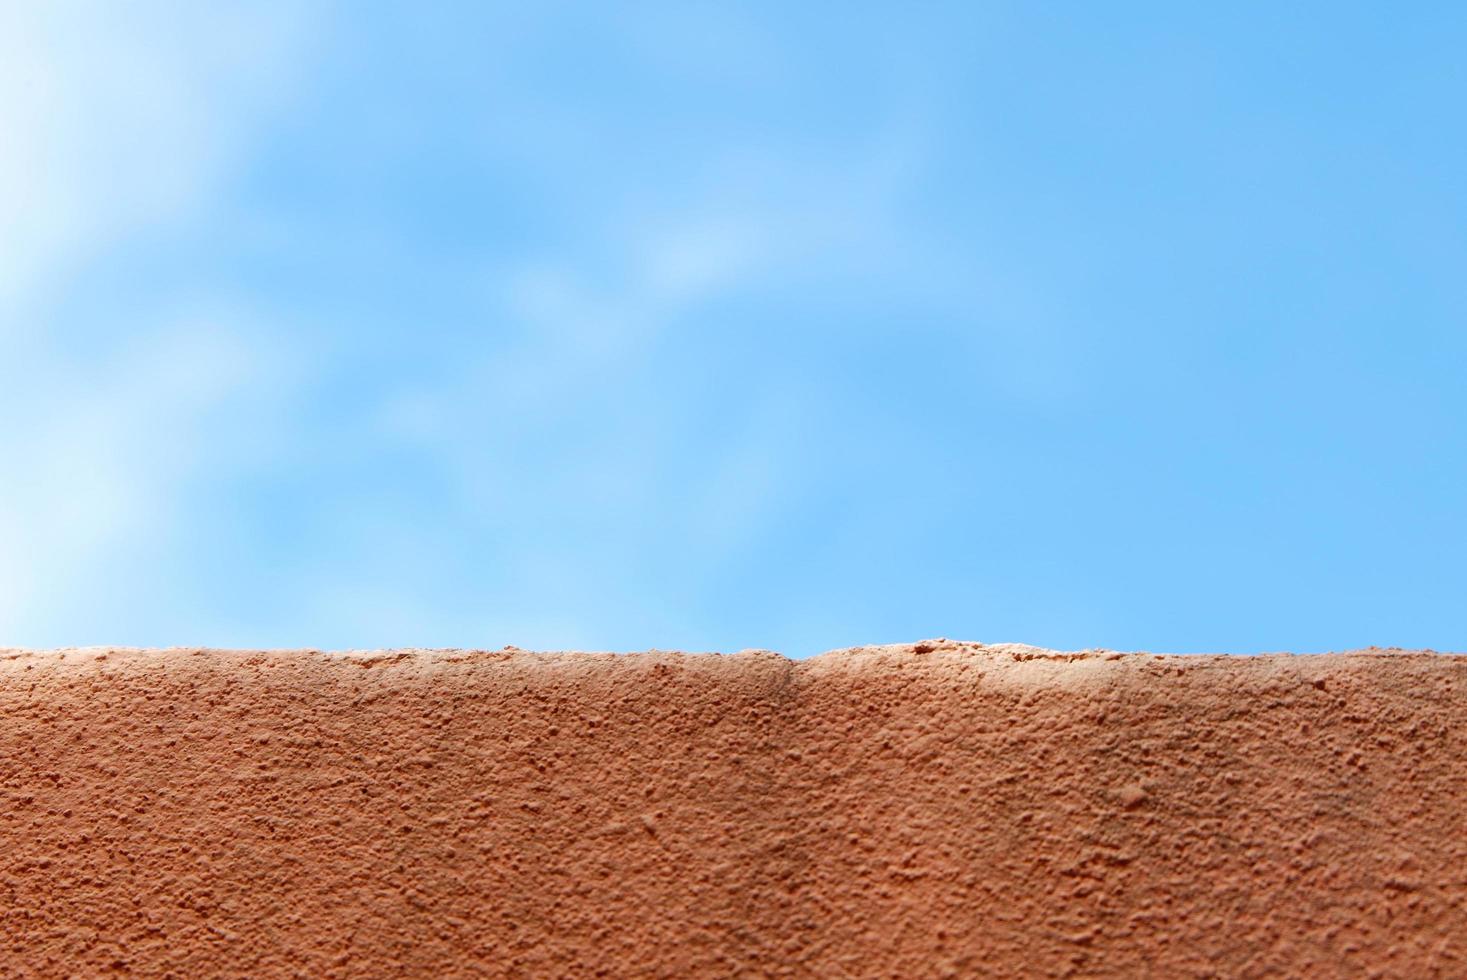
(121, 123)
(556, 454)
(560, 437)
(120, 118)
(98, 459)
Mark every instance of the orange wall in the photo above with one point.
(935, 810)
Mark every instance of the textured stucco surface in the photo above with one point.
(928, 810)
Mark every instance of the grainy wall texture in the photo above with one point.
(939, 809)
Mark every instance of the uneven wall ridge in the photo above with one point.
(918, 810)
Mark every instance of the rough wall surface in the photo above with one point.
(940, 809)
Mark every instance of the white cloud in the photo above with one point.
(122, 117)
(118, 121)
(122, 121)
(97, 458)
(554, 421)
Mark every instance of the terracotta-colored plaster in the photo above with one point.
(940, 809)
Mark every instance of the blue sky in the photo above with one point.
(719, 326)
